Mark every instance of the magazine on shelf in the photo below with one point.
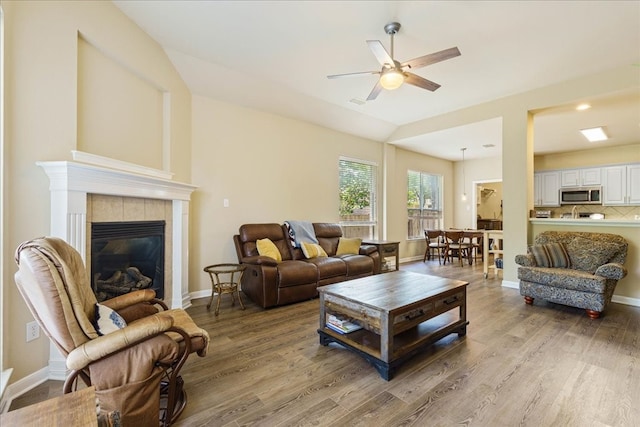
(341, 324)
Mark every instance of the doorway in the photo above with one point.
(487, 209)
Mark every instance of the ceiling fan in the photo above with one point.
(393, 73)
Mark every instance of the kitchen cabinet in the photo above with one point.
(621, 185)
(580, 177)
(546, 188)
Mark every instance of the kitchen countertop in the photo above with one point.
(588, 221)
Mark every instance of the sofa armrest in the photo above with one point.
(260, 260)
(526, 260)
(367, 249)
(611, 270)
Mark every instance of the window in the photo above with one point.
(357, 182)
(424, 203)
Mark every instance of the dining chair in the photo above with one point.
(456, 246)
(474, 238)
(435, 243)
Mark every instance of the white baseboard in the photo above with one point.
(200, 294)
(626, 300)
(22, 386)
(510, 284)
(58, 369)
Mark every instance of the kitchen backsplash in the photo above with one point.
(610, 212)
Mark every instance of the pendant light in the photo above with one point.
(464, 180)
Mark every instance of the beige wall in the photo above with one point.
(586, 158)
(270, 168)
(273, 169)
(43, 122)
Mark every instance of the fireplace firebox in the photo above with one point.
(127, 256)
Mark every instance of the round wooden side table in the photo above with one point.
(225, 279)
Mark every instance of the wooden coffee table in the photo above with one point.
(401, 313)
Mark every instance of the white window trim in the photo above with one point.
(5, 373)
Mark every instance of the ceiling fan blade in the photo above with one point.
(375, 92)
(361, 73)
(432, 58)
(380, 52)
(415, 80)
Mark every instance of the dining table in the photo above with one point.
(468, 236)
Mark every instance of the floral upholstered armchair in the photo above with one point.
(578, 269)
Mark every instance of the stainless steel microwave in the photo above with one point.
(581, 196)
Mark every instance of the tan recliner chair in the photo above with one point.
(135, 370)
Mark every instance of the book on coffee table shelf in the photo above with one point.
(341, 324)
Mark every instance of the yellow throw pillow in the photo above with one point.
(312, 250)
(267, 248)
(348, 246)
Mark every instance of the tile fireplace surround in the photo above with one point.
(74, 185)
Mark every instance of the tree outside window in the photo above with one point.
(424, 203)
(357, 182)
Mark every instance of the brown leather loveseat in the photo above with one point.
(270, 283)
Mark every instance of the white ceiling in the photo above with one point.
(275, 56)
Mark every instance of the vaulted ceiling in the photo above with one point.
(275, 56)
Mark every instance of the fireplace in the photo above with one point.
(127, 256)
(73, 185)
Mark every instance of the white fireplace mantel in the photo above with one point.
(71, 181)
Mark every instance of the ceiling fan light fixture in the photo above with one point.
(391, 79)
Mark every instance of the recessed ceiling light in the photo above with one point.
(488, 145)
(357, 101)
(594, 134)
(583, 107)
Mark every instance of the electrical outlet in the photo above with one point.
(33, 331)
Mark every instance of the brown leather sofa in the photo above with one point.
(269, 283)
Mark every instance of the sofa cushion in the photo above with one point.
(563, 278)
(328, 235)
(295, 273)
(357, 265)
(588, 255)
(550, 255)
(329, 267)
(267, 248)
(348, 246)
(312, 250)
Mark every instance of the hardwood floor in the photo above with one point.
(540, 365)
